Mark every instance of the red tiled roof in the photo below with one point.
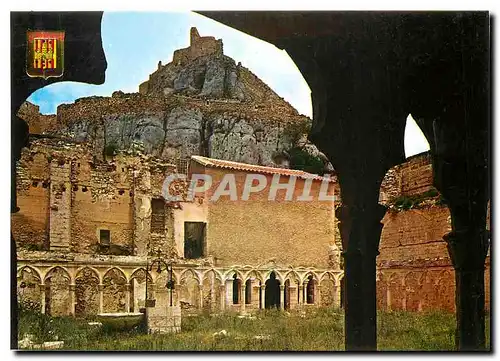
(226, 164)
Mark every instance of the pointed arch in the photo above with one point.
(211, 285)
(292, 276)
(278, 275)
(189, 290)
(29, 290)
(57, 294)
(115, 271)
(87, 282)
(217, 274)
(88, 271)
(141, 274)
(51, 271)
(189, 271)
(310, 274)
(253, 274)
(30, 269)
(230, 274)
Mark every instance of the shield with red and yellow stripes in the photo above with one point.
(45, 54)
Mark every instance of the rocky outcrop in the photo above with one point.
(202, 103)
(178, 127)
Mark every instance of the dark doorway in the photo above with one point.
(287, 295)
(248, 292)
(310, 291)
(236, 290)
(194, 239)
(272, 292)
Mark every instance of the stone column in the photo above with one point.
(388, 297)
(242, 297)
(468, 252)
(282, 297)
(262, 297)
(101, 298)
(201, 296)
(42, 297)
(152, 289)
(72, 294)
(317, 301)
(360, 228)
(222, 290)
(301, 294)
(336, 296)
(177, 294)
(127, 298)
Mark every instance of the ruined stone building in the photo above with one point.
(87, 230)
(415, 272)
(93, 215)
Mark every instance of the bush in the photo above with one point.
(111, 149)
(302, 160)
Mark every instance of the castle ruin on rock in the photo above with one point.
(93, 217)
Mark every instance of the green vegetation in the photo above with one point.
(403, 203)
(302, 160)
(318, 330)
(111, 149)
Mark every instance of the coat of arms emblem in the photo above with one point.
(45, 54)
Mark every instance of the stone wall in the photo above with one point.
(67, 197)
(414, 270)
(38, 123)
(257, 231)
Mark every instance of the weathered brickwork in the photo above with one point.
(37, 123)
(414, 270)
(282, 237)
(70, 196)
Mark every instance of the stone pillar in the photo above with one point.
(317, 301)
(152, 289)
(282, 297)
(101, 298)
(468, 252)
(201, 296)
(336, 296)
(222, 291)
(242, 297)
(360, 228)
(42, 297)
(60, 205)
(301, 294)
(388, 297)
(72, 294)
(222, 296)
(177, 294)
(127, 298)
(262, 297)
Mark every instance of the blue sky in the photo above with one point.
(135, 42)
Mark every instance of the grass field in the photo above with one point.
(318, 330)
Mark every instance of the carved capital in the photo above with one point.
(360, 228)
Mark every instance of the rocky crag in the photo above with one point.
(201, 103)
